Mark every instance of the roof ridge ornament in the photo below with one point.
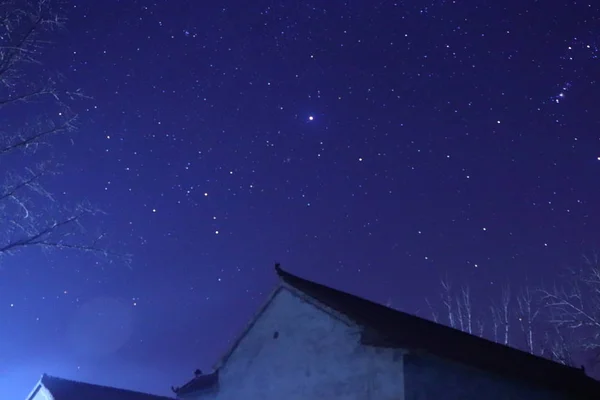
(278, 268)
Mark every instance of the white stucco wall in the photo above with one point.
(315, 356)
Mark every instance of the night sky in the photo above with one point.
(374, 146)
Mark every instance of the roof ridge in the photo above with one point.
(287, 275)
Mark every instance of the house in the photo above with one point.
(52, 388)
(310, 341)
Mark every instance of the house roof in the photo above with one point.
(386, 327)
(65, 389)
(199, 383)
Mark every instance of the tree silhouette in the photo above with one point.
(34, 112)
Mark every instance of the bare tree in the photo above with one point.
(527, 313)
(501, 317)
(558, 346)
(466, 309)
(34, 111)
(480, 327)
(556, 323)
(463, 314)
(448, 302)
(434, 314)
(459, 309)
(502, 314)
(496, 321)
(575, 305)
(505, 313)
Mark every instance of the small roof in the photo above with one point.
(386, 327)
(199, 383)
(65, 389)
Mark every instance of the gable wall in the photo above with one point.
(429, 377)
(315, 356)
(41, 394)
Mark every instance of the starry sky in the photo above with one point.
(373, 146)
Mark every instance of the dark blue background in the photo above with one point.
(436, 146)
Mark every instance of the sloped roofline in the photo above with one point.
(39, 385)
(282, 285)
(390, 328)
(234, 345)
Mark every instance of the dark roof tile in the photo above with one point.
(199, 383)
